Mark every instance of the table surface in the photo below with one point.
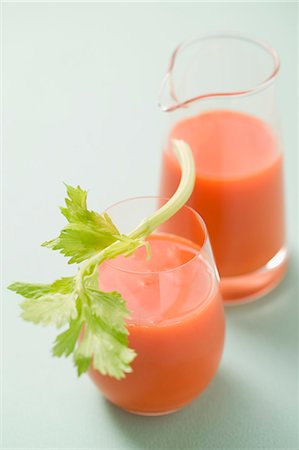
(80, 83)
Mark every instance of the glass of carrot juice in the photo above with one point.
(219, 93)
(176, 323)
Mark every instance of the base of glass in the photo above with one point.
(247, 288)
(151, 414)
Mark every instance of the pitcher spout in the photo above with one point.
(204, 68)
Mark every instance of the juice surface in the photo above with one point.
(238, 189)
(176, 328)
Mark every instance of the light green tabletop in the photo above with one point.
(80, 83)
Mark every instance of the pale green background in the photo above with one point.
(80, 83)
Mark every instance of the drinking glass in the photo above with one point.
(176, 325)
(219, 96)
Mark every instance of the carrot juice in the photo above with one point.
(238, 189)
(176, 325)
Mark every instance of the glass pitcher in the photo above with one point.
(219, 96)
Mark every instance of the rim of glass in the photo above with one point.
(210, 36)
(196, 254)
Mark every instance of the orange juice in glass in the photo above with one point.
(220, 92)
(177, 320)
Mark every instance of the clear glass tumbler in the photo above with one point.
(219, 95)
(177, 319)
